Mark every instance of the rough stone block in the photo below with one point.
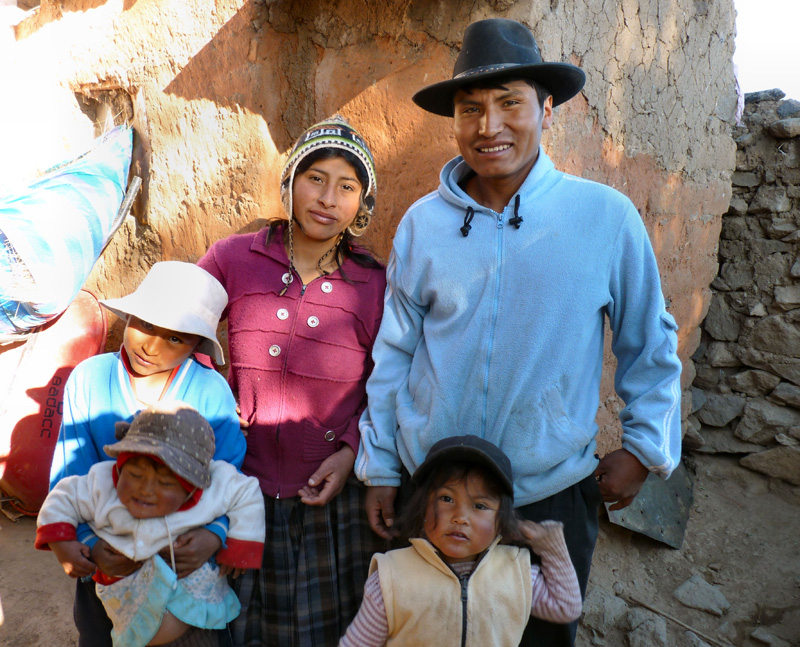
(602, 610)
(775, 94)
(721, 355)
(690, 639)
(738, 206)
(787, 367)
(754, 382)
(763, 420)
(785, 128)
(732, 249)
(721, 440)
(719, 410)
(786, 393)
(734, 228)
(774, 334)
(737, 275)
(788, 296)
(770, 271)
(745, 178)
(696, 593)
(780, 228)
(707, 377)
(721, 322)
(788, 108)
(770, 199)
(781, 462)
(795, 271)
(646, 629)
(698, 399)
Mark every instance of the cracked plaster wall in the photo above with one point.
(223, 87)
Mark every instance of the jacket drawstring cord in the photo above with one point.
(517, 219)
(467, 219)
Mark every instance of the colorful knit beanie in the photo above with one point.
(333, 133)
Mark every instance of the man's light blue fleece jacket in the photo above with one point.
(500, 333)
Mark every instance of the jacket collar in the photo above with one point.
(456, 170)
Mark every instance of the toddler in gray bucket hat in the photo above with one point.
(163, 483)
(175, 434)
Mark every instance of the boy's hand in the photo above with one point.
(620, 476)
(538, 534)
(112, 562)
(332, 474)
(74, 558)
(192, 549)
(225, 570)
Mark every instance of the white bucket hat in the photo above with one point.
(181, 297)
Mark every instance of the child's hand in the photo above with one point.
(226, 569)
(74, 558)
(112, 562)
(192, 549)
(332, 474)
(538, 534)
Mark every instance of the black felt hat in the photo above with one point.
(471, 449)
(496, 48)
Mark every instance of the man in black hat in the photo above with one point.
(499, 286)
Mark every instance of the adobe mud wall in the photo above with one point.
(221, 87)
(746, 395)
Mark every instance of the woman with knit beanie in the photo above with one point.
(304, 306)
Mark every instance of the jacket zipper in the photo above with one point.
(495, 308)
(464, 580)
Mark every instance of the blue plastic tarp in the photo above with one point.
(53, 231)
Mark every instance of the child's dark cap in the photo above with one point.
(468, 449)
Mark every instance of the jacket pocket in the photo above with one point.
(319, 441)
(542, 435)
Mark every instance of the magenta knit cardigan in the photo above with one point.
(299, 362)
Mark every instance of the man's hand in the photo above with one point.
(74, 558)
(380, 509)
(332, 474)
(620, 476)
(112, 562)
(192, 549)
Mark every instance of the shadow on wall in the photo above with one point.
(275, 62)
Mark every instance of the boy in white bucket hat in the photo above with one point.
(172, 315)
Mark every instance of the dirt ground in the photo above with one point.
(743, 537)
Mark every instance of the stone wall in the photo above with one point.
(219, 89)
(746, 396)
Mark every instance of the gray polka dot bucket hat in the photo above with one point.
(175, 433)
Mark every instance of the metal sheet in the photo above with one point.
(661, 509)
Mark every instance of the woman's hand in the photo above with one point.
(112, 562)
(192, 549)
(332, 475)
(74, 558)
(243, 424)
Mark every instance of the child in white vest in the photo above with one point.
(163, 483)
(460, 582)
